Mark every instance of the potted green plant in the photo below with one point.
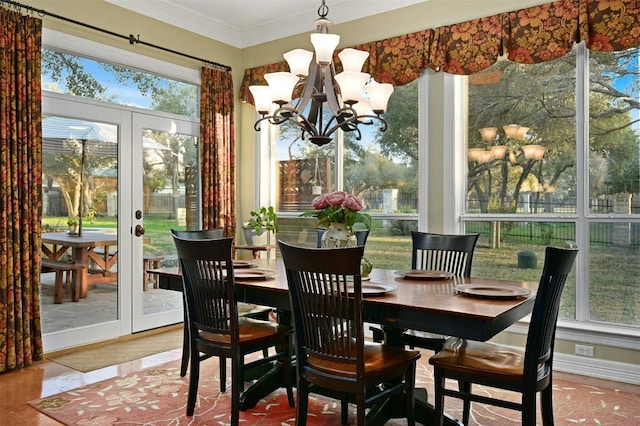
(74, 224)
(258, 229)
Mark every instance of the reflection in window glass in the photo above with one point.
(521, 138)
(614, 184)
(614, 171)
(88, 78)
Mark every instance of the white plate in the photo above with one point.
(369, 290)
(252, 273)
(424, 274)
(493, 291)
(243, 264)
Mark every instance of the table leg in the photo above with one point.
(394, 407)
(271, 381)
(81, 257)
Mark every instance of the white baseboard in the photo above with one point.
(593, 367)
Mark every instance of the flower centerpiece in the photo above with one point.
(338, 212)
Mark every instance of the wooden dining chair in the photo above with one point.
(527, 372)
(440, 252)
(199, 234)
(332, 357)
(215, 328)
(244, 309)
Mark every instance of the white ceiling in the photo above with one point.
(243, 23)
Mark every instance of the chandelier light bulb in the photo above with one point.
(533, 152)
(281, 85)
(522, 133)
(511, 130)
(488, 133)
(379, 94)
(261, 98)
(324, 45)
(299, 60)
(498, 151)
(351, 84)
(352, 59)
(362, 108)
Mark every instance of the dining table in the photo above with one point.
(397, 300)
(97, 251)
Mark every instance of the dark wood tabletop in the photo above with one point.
(428, 305)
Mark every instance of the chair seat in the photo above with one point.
(484, 359)
(378, 359)
(252, 331)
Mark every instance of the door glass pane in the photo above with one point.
(80, 198)
(171, 201)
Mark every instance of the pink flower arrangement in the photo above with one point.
(338, 207)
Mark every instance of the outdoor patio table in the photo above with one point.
(83, 251)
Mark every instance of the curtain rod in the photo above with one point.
(130, 38)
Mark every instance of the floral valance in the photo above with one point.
(532, 35)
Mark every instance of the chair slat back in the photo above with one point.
(200, 234)
(207, 274)
(558, 263)
(448, 253)
(326, 299)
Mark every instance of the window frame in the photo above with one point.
(580, 329)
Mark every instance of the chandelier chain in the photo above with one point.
(323, 10)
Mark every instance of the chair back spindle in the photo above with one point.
(448, 253)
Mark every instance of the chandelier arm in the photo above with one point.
(310, 83)
(344, 118)
(291, 114)
(383, 123)
(330, 90)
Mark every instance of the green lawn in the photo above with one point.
(614, 294)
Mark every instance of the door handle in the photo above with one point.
(139, 230)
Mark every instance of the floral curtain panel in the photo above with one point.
(217, 150)
(20, 190)
(531, 35)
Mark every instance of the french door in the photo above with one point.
(132, 182)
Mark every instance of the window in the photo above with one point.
(525, 188)
(80, 76)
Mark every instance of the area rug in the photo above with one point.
(116, 352)
(157, 396)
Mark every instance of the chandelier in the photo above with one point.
(497, 150)
(312, 76)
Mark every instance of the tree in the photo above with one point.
(401, 138)
(71, 74)
(543, 98)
